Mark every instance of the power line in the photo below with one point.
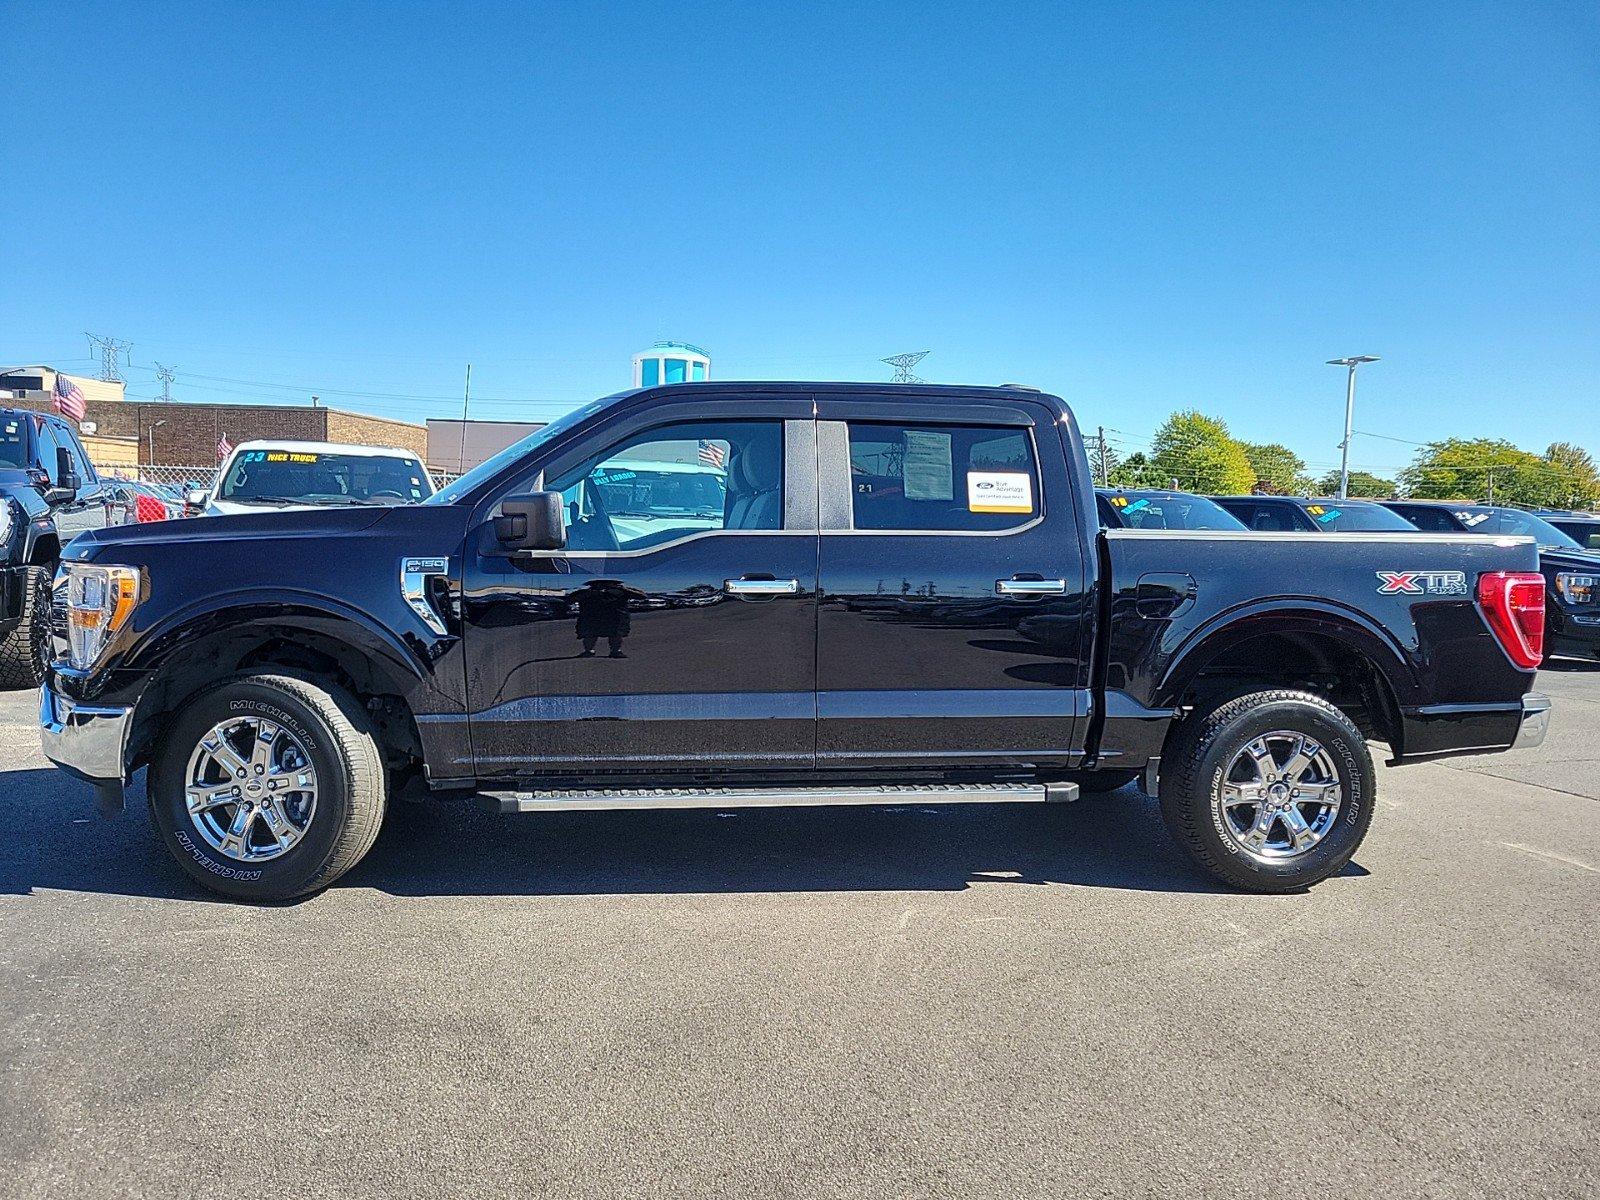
(109, 349)
(165, 374)
(902, 364)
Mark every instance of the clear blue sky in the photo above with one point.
(1142, 208)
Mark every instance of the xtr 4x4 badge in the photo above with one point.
(1422, 583)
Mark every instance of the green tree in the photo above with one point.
(1200, 453)
(1136, 471)
(1481, 468)
(1363, 484)
(1581, 479)
(1278, 467)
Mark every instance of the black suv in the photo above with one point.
(49, 493)
(1581, 527)
(1571, 571)
(1307, 514)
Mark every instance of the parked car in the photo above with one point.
(1144, 508)
(1283, 514)
(138, 501)
(49, 493)
(1571, 572)
(1581, 527)
(281, 475)
(906, 598)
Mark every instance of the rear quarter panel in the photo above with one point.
(1433, 648)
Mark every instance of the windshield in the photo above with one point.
(13, 442)
(1516, 522)
(491, 467)
(1342, 516)
(318, 477)
(1171, 510)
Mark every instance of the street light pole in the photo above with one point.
(1349, 416)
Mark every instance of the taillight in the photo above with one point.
(148, 508)
(1513, 603)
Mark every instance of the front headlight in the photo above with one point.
(99, 602)
(1577, 589)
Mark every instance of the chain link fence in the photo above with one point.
(170, 475)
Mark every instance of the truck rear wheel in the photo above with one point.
(269, 787)
(1271, 792)
(24, 651)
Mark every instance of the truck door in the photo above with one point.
(955, 600)
(676, 634)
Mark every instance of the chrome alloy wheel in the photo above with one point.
(1280, 796)
(250, 789)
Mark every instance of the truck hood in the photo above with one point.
(1561, 559)
(257, 524)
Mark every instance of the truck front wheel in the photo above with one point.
(1270, 792)
(269, 787)
(26, 649)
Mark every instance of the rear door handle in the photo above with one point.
(1030, 587)
(761, 587)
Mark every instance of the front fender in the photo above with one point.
(406, 661)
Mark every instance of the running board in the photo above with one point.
(786, 797)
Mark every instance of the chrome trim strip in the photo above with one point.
(1306, 535)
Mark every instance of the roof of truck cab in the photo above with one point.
(836, 388)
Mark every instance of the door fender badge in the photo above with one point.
(415, 574)
(1422, 583)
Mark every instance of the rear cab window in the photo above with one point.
(942, 478)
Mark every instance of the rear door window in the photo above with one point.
(942, 478)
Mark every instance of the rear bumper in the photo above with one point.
(1443, 730)
(88, 741)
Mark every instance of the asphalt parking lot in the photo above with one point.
(951, 1002)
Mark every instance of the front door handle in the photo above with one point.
(1030, 587)
(761, 587)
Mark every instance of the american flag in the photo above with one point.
(69, 399)
(711, 454)
(224, 448)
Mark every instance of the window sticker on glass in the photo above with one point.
(1137, 505)
(928, 470)
(999, 492)
(1469, 519)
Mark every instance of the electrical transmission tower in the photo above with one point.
(109, 348)
(902, 364)
(165, 374)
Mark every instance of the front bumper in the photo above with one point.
(89, 741)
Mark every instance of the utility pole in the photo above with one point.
(1100, 449)
(466, 402)
(1491, 485)
(1349, 416)
(109, 348)
(902, 364)
(165, 374)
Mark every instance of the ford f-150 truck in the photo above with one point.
(905, 595)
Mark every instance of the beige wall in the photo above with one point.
(363, 430)
(108, 454)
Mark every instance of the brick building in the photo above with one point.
(182, 434)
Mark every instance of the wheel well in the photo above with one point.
(1308, 662)
(46, 550)
(314, 657)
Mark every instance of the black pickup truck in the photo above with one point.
(49, 493)
(714, 595)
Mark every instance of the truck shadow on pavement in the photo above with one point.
(55, 840)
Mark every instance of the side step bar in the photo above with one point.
(784, 797)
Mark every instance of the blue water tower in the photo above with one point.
(671, 362)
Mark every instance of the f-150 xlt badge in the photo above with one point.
(1422, 583)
